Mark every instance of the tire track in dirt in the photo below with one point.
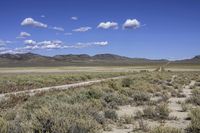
(61, 87)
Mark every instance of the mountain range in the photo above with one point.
(34, 60)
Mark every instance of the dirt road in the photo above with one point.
(61, 87)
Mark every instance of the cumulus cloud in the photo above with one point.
(74, 18)
(30, 42)
(108, 25)
(32, 22)
(50, 44)
(31, 45)
(131, 24)
(24, 35)
(57, 44)
(57, 28)
(82, 29)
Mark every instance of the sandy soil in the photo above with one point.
(85, 69)
(176, 111)
(72, 69)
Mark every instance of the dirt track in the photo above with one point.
(61, 87)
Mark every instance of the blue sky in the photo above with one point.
(136, 28)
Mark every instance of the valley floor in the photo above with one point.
(135, 102)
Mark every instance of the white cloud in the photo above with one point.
(68, 34)
(4, 42)
(131, 24)
(43, 16)
(50, 44)
(89, 44)
(101, 43)
(57, 28)
(24, 35)
(43, 44)
(108, 25)
(14, 51)
(30, 47)
(82, 29)
(2, 48)
(32, 22)
(30, 42)
(47, 45)
(74, 18)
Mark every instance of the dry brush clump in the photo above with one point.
(160, 112)
(194, 126)
(195, 97)
(161, 129)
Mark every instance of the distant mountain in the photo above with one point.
(33, 60)
(192, 61)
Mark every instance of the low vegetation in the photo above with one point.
(92, 109)
(18, 82)
(165, 130)
(194, 127)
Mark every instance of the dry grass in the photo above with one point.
(91, 109)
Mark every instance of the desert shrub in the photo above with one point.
(99, 117)
(194, 127)
(127, 119)
(164, 97)
(162, 111)
(194, 99)
(165, 130)
(159, 112)
(113, 85)
(13, 100)
(111, 114)
(149, 112)
(140, 97)
(112, 100)
(42, 120)
(197, 83)
(136, 95)
(127, 82)
(87, 94)
(94, 93)
(143, 126)
(84, 126)
(184, 107)
(3, 125)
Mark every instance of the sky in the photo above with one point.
(154, 29)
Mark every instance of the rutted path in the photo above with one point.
(61, 87)
(176, 109)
